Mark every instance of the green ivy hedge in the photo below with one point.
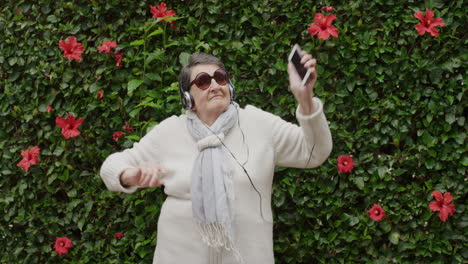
(395, 100)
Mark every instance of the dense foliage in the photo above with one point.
(395, 100)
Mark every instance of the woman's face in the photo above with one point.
(214, 100)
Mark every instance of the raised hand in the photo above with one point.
(303, 94)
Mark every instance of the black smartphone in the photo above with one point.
(295, 58)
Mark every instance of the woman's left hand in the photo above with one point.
(303, 94)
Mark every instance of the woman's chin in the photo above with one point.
(219, 105)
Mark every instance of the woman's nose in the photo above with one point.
(214, 85)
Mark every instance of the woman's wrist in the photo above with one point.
(307, 106)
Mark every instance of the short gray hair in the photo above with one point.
(196, 59)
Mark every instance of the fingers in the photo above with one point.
(130, 176)
(146, 175)
(310, 63)
(292, 70)
(305, 57)
(150, 175)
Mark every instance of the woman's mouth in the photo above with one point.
(216, 96)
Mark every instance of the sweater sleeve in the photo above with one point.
(293, 144)
(116, 163)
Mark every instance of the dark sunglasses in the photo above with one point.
(203, 79)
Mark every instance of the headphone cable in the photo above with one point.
(248, 153)
(243, 168)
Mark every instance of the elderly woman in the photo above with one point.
(217, 162)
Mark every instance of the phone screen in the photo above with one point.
(296, 60)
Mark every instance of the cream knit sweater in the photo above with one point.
(269, 142)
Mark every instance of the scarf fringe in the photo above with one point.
(214, 235)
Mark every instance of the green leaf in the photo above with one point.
(156, 32)
(394, 238)
(184, 58)
(153, 76)
(359, 181)
(399, 172)
(12, 61)
(72, 193)
(58, 151)
(51, 178)
(132, 85)
(81, 223)
(133, 137)
(353, 220)
(382, 171)
(385, 226)
(138, 42)
(68, 76)
(464, 161)
(52, 19)
(450, 118)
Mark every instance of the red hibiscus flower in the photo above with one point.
(118, 235)
(161, 11)
(128, 128)
(29, 157)
(62, 245)
(72, 49)
(118, 58)
(107, 46)
(49, 108)
(69, 126)
(322, 26)
(117, 135)
(99, 94)
(345, 164)
(428, 23)
(327, 8)
(443, 205)
(376, 213)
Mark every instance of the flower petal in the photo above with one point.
(60, 122)
(72, 40)
(62, 45)
(437, 195)
(429, 14)
(437, 22)
(435, 206)
(419, 15)
(447, 198)
(334, 32)
(77, 122)
(35, 150)
(421, 29)
(69, 133)
(319, 18)
(443, 215)
(433, 31)
(162, 7)
(323, 35)
(24, 164)
(314, 29)
(451, 209)
(330, 19)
